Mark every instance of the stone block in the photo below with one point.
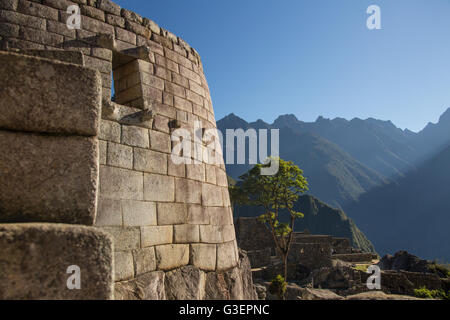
(9, 30)
(135, 136)
(186, 283)
(159, 188)
(195, 171)
(188, 191)
(110, 131)
(22, 19)
(30, 271)
(96, 26)
(182, 104)
(193, 97)
(109, 213)
(144, 260)
(138, 213)
(150, 161)
(156, 235)
(172, 256)
(220, 216)
(124, 35)
(211, 174)
(39, 10)
(186, 233)
(125, 239)
(221, 177)
(42, 96)
(216, 234)
(117, 183)
(176, 170)
(203, 256)
(211, 195)
(93, 12)
(160, 141)
(162, 124)
(191, 75)
(197, 215)
(103, 149)
(116, 21)
(226, 197)
(172, 213)
(120, 155)
(226, 256)
(9, 4)
(48, 178)
(123, 266)
(152, 81)
(109, 6)
(198, 89)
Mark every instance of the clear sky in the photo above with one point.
(314, 57)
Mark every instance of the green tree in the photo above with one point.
(273, 194)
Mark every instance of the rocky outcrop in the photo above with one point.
(405, 261)
(235, 284)
(149, 286)
(191, 283)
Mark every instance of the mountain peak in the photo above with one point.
(445, 117)
(286, 120)
(322, 119)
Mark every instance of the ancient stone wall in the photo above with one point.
(162, 216)
(49, 180)
(253, 235)
(342, 245)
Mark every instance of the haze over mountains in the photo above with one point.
(353, 164)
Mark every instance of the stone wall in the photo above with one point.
(260, 258)
(253, 235)
(49, 168)
(162, 216)
(341, 245)
(311, 255)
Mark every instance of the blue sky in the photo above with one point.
(317, 58)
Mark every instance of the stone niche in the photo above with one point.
(105, 161)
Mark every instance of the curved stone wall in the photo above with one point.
(162, 216)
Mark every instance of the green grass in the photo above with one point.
(362, 267)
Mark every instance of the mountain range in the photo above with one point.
(350, 164)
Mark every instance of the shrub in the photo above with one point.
(278, 287)
(425, 293)
(443, 271)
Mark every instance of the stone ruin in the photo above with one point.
(310, 251)
(89, 182)
(326, 262)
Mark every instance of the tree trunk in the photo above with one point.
(285, 270)
(285, 267)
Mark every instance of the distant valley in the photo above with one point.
(373, 171)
